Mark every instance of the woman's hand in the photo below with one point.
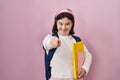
(81, 73)
(55, 42)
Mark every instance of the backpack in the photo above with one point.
(48, 57)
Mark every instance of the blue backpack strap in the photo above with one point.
(48, 58)
(76, 38)
(52, 50)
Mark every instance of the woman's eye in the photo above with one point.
(60, 24)
(68, 24)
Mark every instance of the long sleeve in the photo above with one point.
(88, 60)
(46, 42)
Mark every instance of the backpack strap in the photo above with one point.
(77, 39)
(48, 58)
(52, 51)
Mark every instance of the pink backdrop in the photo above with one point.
(24, 24)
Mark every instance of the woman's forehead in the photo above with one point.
(64, 20)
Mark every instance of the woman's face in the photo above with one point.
(64, 26)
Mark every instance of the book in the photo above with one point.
(78, 56)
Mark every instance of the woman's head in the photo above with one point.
(64, 22)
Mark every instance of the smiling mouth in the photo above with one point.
(64, 30)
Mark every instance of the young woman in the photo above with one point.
(62, 63)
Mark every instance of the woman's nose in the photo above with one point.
(64, 27)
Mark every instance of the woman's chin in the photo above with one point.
(63, 33)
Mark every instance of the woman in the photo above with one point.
(61, 63)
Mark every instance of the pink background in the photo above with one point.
(24, 24)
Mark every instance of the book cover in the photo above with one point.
(78, 56)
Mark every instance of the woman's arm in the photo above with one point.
(50, 42)
(88, 60)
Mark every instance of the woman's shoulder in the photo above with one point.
(76, 36)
